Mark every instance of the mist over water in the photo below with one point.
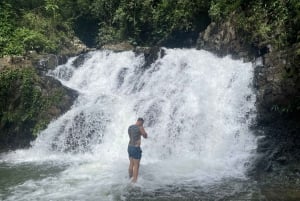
(197, 110)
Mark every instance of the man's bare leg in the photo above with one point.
(136, 166)
(130, 169)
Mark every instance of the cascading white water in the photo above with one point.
(197, 107)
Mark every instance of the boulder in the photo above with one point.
(44, 63)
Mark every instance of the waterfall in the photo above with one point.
(197, 109)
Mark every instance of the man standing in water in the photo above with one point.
(135, 132)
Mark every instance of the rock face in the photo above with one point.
(44, 63)
(54, 100)
(223, 40)
(17, 128)
(151, 54)
(79, 61)
(277, 84)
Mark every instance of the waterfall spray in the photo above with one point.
(197, 110)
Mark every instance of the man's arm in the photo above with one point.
(143, 132)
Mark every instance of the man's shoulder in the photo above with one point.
(132, 126)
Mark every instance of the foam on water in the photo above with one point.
(197, 107)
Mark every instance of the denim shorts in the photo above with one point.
(134, 152)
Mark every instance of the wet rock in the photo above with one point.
(50, 84)
(44, 63)
(151, 54)
(79, 61)
(121, 76)
(119, 47)
(223, 39)
(78, 46)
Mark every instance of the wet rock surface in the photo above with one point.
(118, 47)
(223, 40)
(44, 63)
(80, 60)
(151, 54)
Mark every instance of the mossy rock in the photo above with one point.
(28, 102)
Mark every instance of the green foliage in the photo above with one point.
(105, 10)
(24, 40)
(19, 84)
(41, 125)
(107, 35)
(22, 101)
(267, 22)
(147, 21)
(292, 106)
(33, 26)
(220, 9)
(6, 25)
(51, 22)
(52, 7)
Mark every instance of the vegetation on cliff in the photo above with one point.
(27, 104)
(47, 26)
(33, 25)
(272, 28)
(266, 22)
